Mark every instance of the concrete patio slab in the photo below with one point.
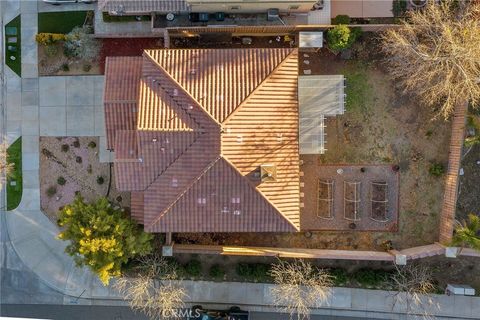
(29, 69)
(30, 128)
(80, 91)
(99, 121)
(30, 98)
(28, 6)
(99, 86)
(14, 99)
(30, 161)
(14, 130)
(80, 121)
(31, 179)
(53, 121)
(30, 113)
(29, 20)
(52, 91)
(30, 144)
(14, 112)
(29, 84)
(30, 199)
(12, 80)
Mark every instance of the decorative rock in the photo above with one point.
(308, 71)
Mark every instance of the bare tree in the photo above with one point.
(299, 286)
(435, 54)
(154, 290)
(413, 285)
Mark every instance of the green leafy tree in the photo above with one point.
(468, 233)
(342, 37)
(101, 237)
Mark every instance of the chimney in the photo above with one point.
(268, 172)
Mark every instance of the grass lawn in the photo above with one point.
(60, 22)
(14, 192)
(12, 46)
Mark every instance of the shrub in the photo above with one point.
(102, 237)
(65, 67)
(47, 153)
(341, 19)
(81, 44)
(51, 191)
(87, 67)
(341, 37)
(253, 271)
(370, 278)
(51, 50)
(61, 181)
(399, 8)
(436, 169)
(193, 268)
(339, 276)
(92, 145)
(76, 144)
(100, 180)
(216, 271)
(89, 168)
(49, 38)
(78, 159)
(65, 147)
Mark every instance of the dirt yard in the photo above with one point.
(70, 165)
(57, 64)
(381, 126)
(469, 191)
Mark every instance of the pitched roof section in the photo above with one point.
(122, 79)
(264, 130)
(185, 144)
(219, 79)
(142, 6)
(221, 200)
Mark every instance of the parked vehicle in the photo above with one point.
(233, 313)
(58, 2)
(198, 16)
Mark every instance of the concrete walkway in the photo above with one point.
(47, 106)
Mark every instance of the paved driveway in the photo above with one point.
(71, 106)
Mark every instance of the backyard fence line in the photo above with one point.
(303, 253)
(447, 217)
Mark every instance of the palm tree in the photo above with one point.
(467, 234)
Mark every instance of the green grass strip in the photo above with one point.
(13, 51)
(60, 22)
(14, 192)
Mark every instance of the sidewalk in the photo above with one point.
(47, 106)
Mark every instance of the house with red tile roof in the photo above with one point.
(206, 140)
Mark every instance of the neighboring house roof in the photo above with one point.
(362, 8)
(192, 145)
(142, 6)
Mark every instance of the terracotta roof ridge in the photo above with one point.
(189, 186)
(259, 87)
(147, 54)
(259, 192)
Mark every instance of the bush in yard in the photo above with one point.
(193, 268)
(92, 145)
(65, 147)
(76, 144)
(341, 19)
(51, 191)
(78, 159)
(101, 237)
(61, 181)
(342, 37)
(436, 169)
(81, 44)
(49, 38)
(339, 276)
(100, 180)
(65, 67)
(217, 271)
(253, 271)
(369, 278)
(51, 50)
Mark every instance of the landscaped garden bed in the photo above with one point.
(66, 45)
(13, 53)
(70, 165)
(14, 178)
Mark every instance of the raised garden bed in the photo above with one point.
(108, 18)
(70, 165)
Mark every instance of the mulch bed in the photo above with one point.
(114, 47)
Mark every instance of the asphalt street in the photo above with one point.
(61, 312)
